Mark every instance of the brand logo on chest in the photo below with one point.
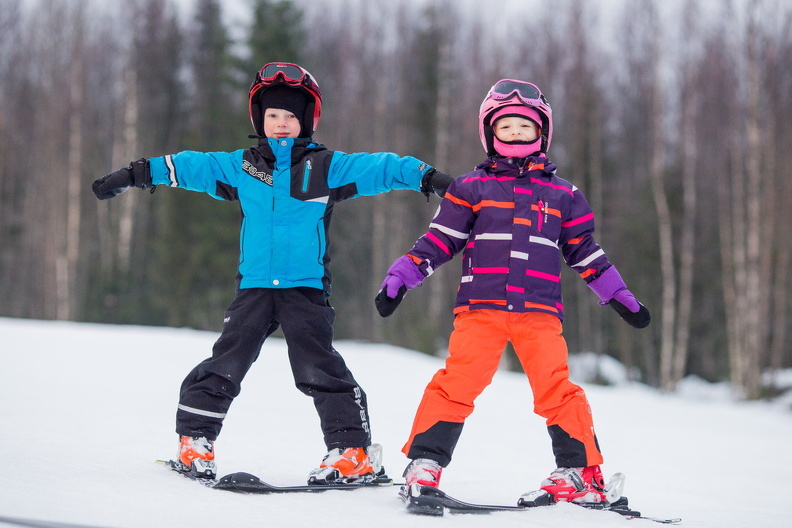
(259, 175)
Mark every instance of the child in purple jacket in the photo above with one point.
(512, 219)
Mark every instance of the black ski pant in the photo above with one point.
(319, 370)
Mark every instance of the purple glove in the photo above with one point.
(403, 275)
(403, 272)
(611, 290)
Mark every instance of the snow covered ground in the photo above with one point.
(86, 409)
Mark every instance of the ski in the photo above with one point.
(241, 482)
(35, 523)
(426, 500)
(247, 483)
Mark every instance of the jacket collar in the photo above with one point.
(299, 147)
(535, 165)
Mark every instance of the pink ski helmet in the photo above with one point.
(510, 92)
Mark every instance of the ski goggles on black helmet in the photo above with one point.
(289, 74)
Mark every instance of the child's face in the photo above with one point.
(279, 123)
(515, 129)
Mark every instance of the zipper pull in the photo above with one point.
(522, 166)
(306, 175)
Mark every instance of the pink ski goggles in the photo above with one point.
(527, 93)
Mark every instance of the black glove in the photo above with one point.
(387, 305)
(436, 182)
(639, 319)
(113, 184)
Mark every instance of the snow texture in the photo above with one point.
(86, 409)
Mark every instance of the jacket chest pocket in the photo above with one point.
(309, 182)
(306, 181)
(547, 217)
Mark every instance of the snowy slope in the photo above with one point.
(86, 409)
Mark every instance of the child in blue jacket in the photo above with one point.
(287, 186)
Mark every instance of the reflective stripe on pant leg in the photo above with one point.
(209, 389)
(475, 348)
(542, 351)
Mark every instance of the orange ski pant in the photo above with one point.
(475, 348)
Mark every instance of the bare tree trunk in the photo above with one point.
(730, 251)
(379, 223)
(742, 233)
(688, 229)
(597, 198)
(783, 251)
(744, 285)
(45, 274)
(780, 319)
(67, 263)
(664, 223)
(755, 315)
(129, 145)
(439, 288)
(668, 273)
(687, 250)
(776, 251)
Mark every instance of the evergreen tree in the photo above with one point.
(123, 286)
(197, 237)
(275, 34)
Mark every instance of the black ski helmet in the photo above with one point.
(288, 86)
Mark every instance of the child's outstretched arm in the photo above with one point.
(113, 184)
(215, 173)
(448, 234)
(379, 172)
(588, 259)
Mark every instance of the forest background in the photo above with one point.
(674, 117)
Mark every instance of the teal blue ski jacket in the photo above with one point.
(286, 189)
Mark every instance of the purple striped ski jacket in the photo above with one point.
(512, 224)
